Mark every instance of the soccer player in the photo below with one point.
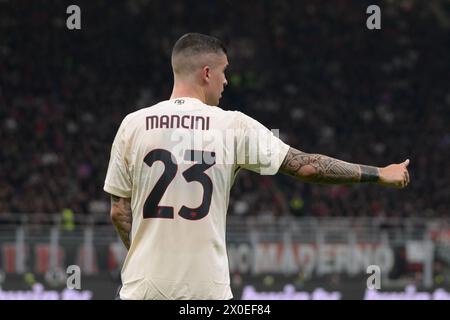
(172, 167)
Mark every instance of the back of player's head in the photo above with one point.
(189, 50)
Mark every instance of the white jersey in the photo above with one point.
(177, 161)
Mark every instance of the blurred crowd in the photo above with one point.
(311, 69)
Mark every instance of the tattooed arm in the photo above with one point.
(121, 218)
(318, 168)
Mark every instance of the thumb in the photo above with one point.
(406, 163)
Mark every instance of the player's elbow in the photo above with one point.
(307, 173)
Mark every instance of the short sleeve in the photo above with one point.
(257, 148)
(118, 179)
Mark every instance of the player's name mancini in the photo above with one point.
(176, 121)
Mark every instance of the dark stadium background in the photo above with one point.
(309, 68)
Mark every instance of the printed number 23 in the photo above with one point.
(194, 173)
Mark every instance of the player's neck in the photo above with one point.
(181, 91)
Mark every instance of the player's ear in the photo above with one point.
(206, 73)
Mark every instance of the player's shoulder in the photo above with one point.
(235, 118)
(136, 114)
(229, 113)
(241, 116)
(243, 119)
(238, 117)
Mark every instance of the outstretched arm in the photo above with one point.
(121, 217)
(317, 168)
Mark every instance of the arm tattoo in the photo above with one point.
(121, 217)
(322, 169)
